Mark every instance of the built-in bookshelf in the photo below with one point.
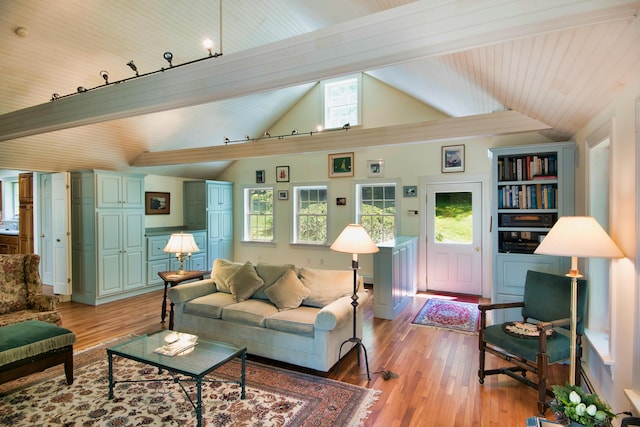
(533, 187)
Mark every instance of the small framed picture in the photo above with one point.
(283, 194)
(282, 173)
(340, 165)
(341, 201)
(260, 177)
(157, 203)
(375, 168)
(410, 191)
(453, 158)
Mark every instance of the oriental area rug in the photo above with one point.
(446, 314)
(274, 397)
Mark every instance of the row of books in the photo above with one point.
(535, 196)
(526, 168)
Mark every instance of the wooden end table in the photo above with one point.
(174, 279)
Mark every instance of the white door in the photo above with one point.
(61, 234)
(454, 238)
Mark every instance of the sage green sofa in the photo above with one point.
(294, 315)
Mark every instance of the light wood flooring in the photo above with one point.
(437, 382)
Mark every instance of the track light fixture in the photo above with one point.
(133, 67)
(55, 96)
(168, 56)
(105, 75)
(294, 132)
(247, 137)
(81, 89)
(267, 135)
(208, 44)
(346, 126)
(226, 140)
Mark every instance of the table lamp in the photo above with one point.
(181, 244)
(355, 240)
(577, 236)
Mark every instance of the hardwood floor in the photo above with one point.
(437, 382)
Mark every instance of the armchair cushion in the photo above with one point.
(557, 345)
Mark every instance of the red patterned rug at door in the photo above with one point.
(446, 314)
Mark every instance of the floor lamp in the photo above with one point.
(355, 240)
(181, 244)
(577, 236)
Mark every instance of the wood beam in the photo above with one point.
(401, 34)
(483, 125)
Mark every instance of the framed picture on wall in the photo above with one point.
(283, 194)
(453, 158)
(157, 203)
(260, 177)
(375, 168)
(282, 173)
(340, 165)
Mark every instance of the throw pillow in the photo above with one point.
(270, 273)
(222, 269)
(326, 285)
(288, 292)
(244, 282)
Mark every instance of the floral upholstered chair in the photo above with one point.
(21, 295)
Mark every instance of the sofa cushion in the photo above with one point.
(299, 321)
(270, 273)
(244, 282)
(288, 292)
(250, 312)
(222, 269)
(210, 305)
(326, 285)
(13, 287)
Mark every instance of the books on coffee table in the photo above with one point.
(177, 343)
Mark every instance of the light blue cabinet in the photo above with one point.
(108, 244)
(533, 187)
(209, 205)
(394, 275)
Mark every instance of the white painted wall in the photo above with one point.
(165, 184)
(612, 382)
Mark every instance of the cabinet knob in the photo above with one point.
(58, 240)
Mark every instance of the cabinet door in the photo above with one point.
(108, 191)
(220, 196)
(109, 252)
(133, 192)
(133, 261)
(155, 247)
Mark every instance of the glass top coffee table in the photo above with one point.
(194, 363)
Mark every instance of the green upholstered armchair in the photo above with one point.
(547, 304)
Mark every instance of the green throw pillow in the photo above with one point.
(288, 292)
(244, 282)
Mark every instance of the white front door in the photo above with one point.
(454, 236)
(60, 232)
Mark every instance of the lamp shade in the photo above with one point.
(181, 243)
(578, 236)
(354, 239)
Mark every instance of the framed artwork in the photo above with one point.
(260, 177)
(157, 203)
(282, 173)
(375, 168)
(341, 201)
(453, 158)
(410, 191)
(340, 165)
(283, 194)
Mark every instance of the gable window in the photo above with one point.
(342, 101)
(310, 214)
(258, 214)
(376, 210)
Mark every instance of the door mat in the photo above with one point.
(451, 315)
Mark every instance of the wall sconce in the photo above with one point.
(168, 56)
(181, 244)
(133, 67)
(105, 75)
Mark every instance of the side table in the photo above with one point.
(173, 278)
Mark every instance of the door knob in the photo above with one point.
(477, 248)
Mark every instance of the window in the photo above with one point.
(377, 210)
(258, 210)
(11, 202)
(342, 102)
(310, 214)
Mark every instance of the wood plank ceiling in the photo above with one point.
(558, 74)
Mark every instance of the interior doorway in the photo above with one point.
(454, 237)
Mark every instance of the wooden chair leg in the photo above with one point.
(68, 366)
(543, 373)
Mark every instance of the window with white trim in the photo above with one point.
(342, 100)
(376, 210)
(258, 214)
(310, 214)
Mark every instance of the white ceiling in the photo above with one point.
(561, 74)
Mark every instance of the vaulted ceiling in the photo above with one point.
(556, 62)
